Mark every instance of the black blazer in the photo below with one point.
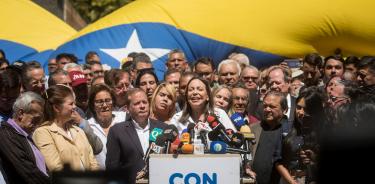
(124, 149)
(18, 158)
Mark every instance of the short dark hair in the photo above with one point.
(206, 61)
(27, 67)
(130, 92)
(352, 60)
(142, 73)
(283, 100)
(89, 55)
(140, 58)
(171, 71)
(9, 79)
(368, 61)
(3, 53)
(335, 57)
(313, 59)
(113, 76)
(93, 92)
(68, 56)
(51, 79)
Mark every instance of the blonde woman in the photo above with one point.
(163, 103)
(59, 141)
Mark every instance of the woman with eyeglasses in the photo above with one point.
(59, 140)
(300, 147)
(163, 103)
(101, 103)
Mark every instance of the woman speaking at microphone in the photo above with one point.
(199, 106)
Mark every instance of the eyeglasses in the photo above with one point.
(122, 86)
(101, 102)
(250, 78)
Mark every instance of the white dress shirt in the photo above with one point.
(289, 100)
(118, 116)
(143, 134)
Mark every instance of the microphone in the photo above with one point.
(237, 120)
(217, 129)
(185, 138)
(153, 136)
(170, 134)
(247, 134)
(237, 139)
(202, 129)
(159, 144)
(190, 129)
(187, 149)
(220, 147)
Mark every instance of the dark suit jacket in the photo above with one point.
(18, 158)
(124, 149)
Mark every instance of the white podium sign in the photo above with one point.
(195, 169)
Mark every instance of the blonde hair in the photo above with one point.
(171, 91)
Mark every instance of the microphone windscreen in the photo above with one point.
(237, 120)
(185, 138)
(187, 148)
(160, 140)
(171, 133)
(246, 131)
(154, 134)
(210, 118)
(190, 127)
(218, 147)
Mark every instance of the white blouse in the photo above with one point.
(119, 116)
(220, 114)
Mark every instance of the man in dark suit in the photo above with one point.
(128, 141)
(279, 80)
(21, 161)
(268, 136)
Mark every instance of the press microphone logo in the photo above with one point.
(155, 133)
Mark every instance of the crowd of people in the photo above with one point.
(87, 118)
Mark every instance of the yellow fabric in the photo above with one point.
(58, 148)
(290, 28)
(24, 22)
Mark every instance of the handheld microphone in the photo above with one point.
(171, 134)
(237, 120)
(153, 136)
(190, 129)
(237, 139)
(217, 129)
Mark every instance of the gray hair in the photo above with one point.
(72, 65)
(251, 67)
(229, 61)
(25, 100)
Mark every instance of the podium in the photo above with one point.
(191, 169)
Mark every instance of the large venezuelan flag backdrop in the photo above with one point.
(266, 31)
(28, 32)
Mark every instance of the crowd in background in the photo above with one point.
(90, 118)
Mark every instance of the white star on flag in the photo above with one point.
(134, 45)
